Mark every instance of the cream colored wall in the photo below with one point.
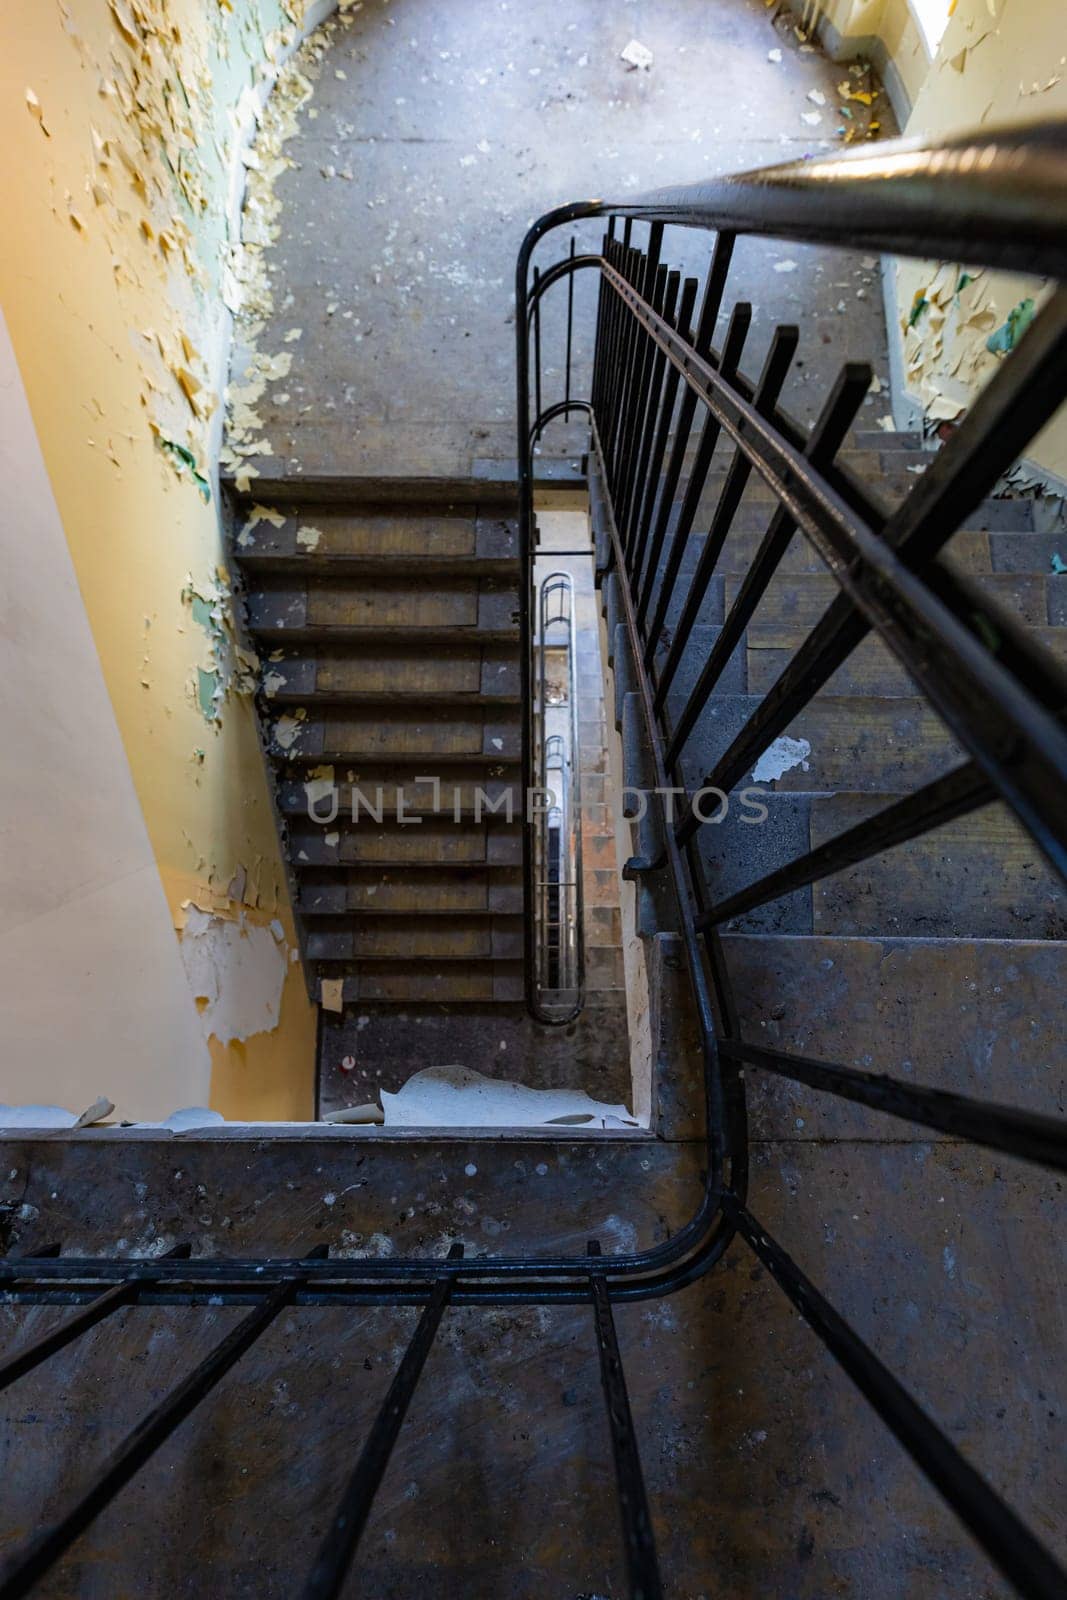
(93, 996)
(120, 124)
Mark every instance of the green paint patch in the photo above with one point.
(207, 692)
(184, 463)
(918, 306)
(1010, 332)
(1059, 566)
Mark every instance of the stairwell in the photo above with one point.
(378, 554)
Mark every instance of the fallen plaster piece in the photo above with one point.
(236, 972)
(367, 1113)
(637, 56)
(458, 1097)
(781, 757)
(60, 1117)
(101, 1107)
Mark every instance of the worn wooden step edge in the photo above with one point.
(494, 488)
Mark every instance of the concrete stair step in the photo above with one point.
(972, 550)
(424, 540)
(981, 1017)
(461, 983)
(395, 845)
(802, 598)
(379, 793)
(324, 609)
(414, 938)
(467, 673)
(432, 889)
(979, 877)
(756, 508)
(871, 669)
(475, 734)
(856, 742)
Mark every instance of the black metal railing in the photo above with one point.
(655, 372)
(663, 402)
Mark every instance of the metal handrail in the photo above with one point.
(994, 200)
(560, 756)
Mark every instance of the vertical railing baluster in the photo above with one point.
(631, 345)
(638, 1539)
(667, 486)
(339, 1546)
(30, 1564)
(641, 442)
(657, 428)
(775, 371)
(537, 351)
(604, 298)
(714, 289)
(826, 439)
(740, 321)
(570, 329)
(651, 287)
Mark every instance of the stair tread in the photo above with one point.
(470, 673)
(981, 876)
(451, 609)
(865, 742)
(981, 1017)
(328, 539)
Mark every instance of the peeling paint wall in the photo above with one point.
(998, 62)
(122, 125)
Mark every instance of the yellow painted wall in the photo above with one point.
(117, 127)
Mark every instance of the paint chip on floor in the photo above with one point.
(781, 757)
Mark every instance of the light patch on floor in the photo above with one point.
(781, 757)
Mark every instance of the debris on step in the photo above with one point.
(638, 56)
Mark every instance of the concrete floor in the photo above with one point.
(440, 129)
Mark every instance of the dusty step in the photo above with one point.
(377, 793)
(472, 673)
(978, 877)
(416, 938)
(428, 889)
(405, 734)
(854, 742)
(981, 1017)
(329, 540)
(461, 983)
(971, 550)
(755, 511)
(434, 842)
(871, 669)
(878, 439)
(323, 609)
(981, 876)
(804, 597)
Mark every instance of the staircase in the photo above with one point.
(388, 635)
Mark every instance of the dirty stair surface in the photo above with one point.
(968, 916)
